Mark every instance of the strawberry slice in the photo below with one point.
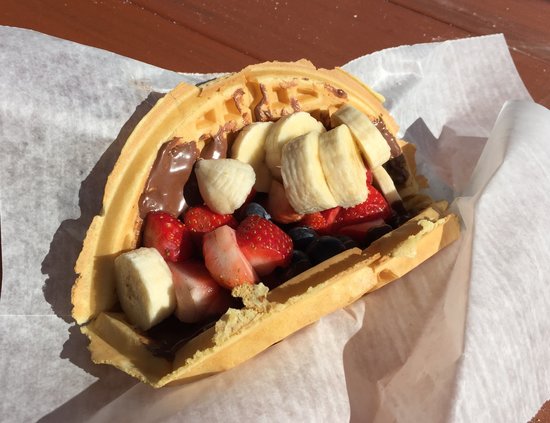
(224, 260)
(278, 205)
(358, 231)
(374, 207)
(201, 219)
(198, 295)
(264, 244)
(168, 235)
(323, 221)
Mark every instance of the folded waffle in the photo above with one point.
(206, 114)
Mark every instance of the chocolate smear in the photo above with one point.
(261, 114)
(169, 174)
(388, 136)
(397, 169)
(216, 146)
(338, 92)
(295, 104)
(238, 99)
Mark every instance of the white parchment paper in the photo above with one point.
(396, 355)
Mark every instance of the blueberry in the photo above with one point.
(299, 263)
(348, 241)
(323, 248)
(302, 236)
(399, 218)
(374, 233)
(298, 256)
(256, 209)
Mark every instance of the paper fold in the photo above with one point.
(395, 355)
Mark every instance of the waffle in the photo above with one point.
(223, 106)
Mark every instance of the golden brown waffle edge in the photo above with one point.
(259, 92)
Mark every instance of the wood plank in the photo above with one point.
(124, 28)
(535, 74)
(283, 30)
(196, 37)
(525, 23)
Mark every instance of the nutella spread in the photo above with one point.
(216, 146)
(338, 92)
(288, 84)
(388, 136)
(295, 105)
(170, 172)
(238, 99)
(397, 169)
(396, 166)
(262, 115)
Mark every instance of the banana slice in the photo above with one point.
(372, 144)
(282, 131)
(385, 184)
(144, 287)
(224, 184)
(303, 178)
(343, 167)
(249, 147)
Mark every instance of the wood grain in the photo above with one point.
(283, 30)
(124, 28)
(524, 22)
(198, 36)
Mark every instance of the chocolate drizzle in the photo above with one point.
(295, 104)
(216, 146)
(238, 99)
(396, 166)
(261, 114)
(171, 170)
(288, 84)
(338, 92)
(388, 136)
(397, 169)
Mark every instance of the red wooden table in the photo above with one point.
(200, 36)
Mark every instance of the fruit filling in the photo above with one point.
(292, 194)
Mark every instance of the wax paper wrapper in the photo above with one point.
(395, 355)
